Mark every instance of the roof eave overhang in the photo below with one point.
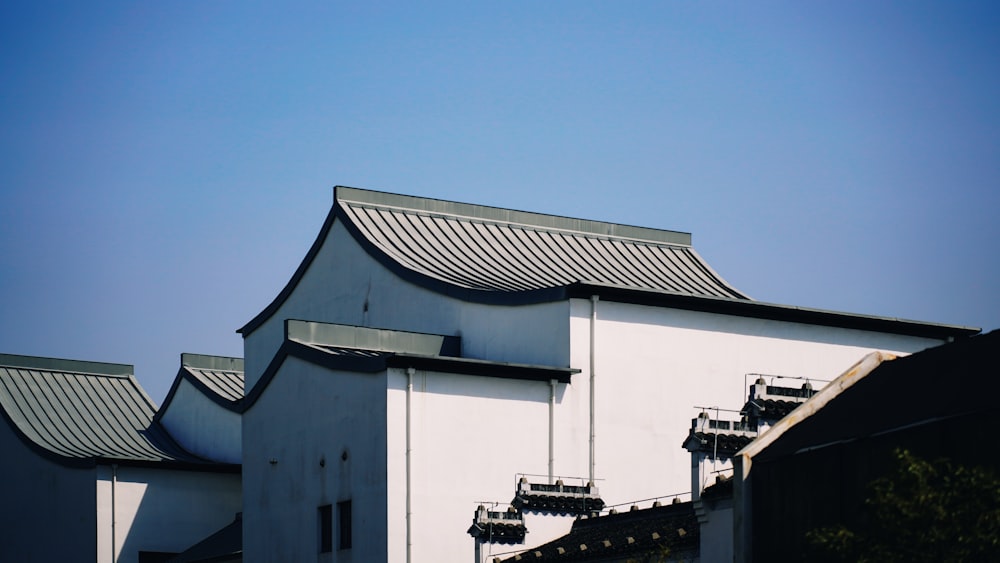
(584, 289)
(175, 465)
(769, 311)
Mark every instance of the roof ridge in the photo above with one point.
(42, 363)
(490, 214)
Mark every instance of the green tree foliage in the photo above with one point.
(921, 511)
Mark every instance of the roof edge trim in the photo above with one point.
(69, 366)
(283, 295)
(770, 311)
(369, 338)
(499, 214)
(217, 363)
(844, 381)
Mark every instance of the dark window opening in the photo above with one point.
(344, 524)
(325, 528)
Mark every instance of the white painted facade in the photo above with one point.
(203, 427)
(159, 510)
(343, 278)
(471, 435)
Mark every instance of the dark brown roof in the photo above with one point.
(670, 528)
(724, 444)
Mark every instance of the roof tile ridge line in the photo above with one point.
(64, 365)
(70, 372)
(528, 226)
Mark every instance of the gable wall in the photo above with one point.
(49, 510)
(654, 365)
(201, 426)
(343, 278)
(305, 421)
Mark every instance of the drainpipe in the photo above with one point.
(552, 432)
(114, 480)
(409, 511)
(593, 329)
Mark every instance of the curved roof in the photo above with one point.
(488, 249)
(219, 378)
(81, 412)
(491, 255)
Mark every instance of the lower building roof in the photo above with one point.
(82, 413)
(669, 529)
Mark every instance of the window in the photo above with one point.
(344, 524)
(325, 528)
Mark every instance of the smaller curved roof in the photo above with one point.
(79, 413)
(219, 378)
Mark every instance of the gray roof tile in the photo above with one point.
(78, 411)
(488, 249)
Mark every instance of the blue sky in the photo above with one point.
(165, 166)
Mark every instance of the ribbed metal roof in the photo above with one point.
(498, 250)
(501, 256)
(219, 375)
(226, 384)
(83, 411)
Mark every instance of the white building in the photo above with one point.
(426, 354)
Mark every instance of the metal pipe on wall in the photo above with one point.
(593, 369)
(552, 432)
(409, 512)
(114, 481)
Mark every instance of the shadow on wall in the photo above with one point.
(172, 510)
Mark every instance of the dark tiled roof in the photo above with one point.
(553, 504)
(499, 532)
(724, 444)
(81, 412)
(500, 250)
(770, 409)
(672, 528)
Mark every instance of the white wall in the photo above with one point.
(655, 364)
(470, 436)
(161, 510)
(305, 421)
(203, 427)
(343, 278)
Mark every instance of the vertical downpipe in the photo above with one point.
(409, 512)
(114, 480)
(552, 433)
(593, 362)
